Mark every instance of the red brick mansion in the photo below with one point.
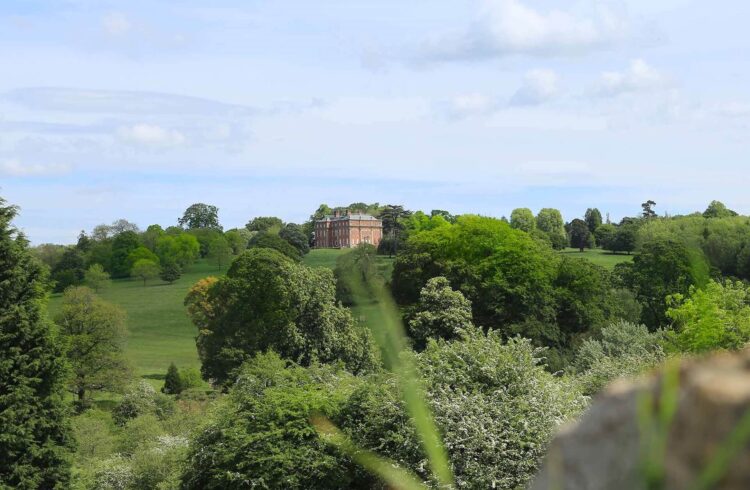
(346, 231)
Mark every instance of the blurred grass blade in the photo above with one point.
(395, 476)
(390, 335)
(725, 454)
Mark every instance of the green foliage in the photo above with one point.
(441, 313)
(94, 332)
(295, 235)
(267, 301)
(621, 349)
(237, 240)
(34, 428)
(172, 381)
(190, 378)
(662, 268)
(593, 219)
(260, 435)
(550, 221)
(505, 274)
(264, 224)
(204, 236)
(606, 236)
(140, 400)
(200, 216)
(580, 235)
(493, 402)
(69, 270)
(97, 278)
(717, 209)
(273, 241)
(142, 253)
(184, 249)
(145, 269)
(170, 272)
(122, 245)
(219, 251)
(523, 219)
(716, 316)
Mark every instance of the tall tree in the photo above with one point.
(717, 209)
(95, 333)
(593, 219)
(265, 224)
(295, 235)
(648, 209)
(219, 251)
(96, 277)
(580, 235)
(441, 313)
(200, 215)
(69, 271)
(122, 245)
(550, 221)
(523, 219)
(34, 430)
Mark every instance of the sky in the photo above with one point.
(137, 109)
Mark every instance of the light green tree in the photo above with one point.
(145, 269)
(522, 219)
(96, 277)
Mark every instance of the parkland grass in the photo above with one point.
(606, 259)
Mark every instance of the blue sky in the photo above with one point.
(137, 109)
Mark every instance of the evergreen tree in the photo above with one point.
(172, 382)
(170, 272)
(34, 432)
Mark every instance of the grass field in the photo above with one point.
(160, 330)
(598, 256)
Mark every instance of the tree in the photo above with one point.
(714, 317)
(391, 215)
(170, 272)
(580, 235)
(444, 214)
(441, 313)
(34, 427)
(238, 240)
(662, 268)
(70, 270)
(550, 221)
(200, 215)
(593, 219)
(122, 245)
(84, 242)
(145, 269)
(172, 381)
(523, 219)
(648, 209)
(121, 226)
(96, 277)
(717, 209)
(606, 235)
(264, 224)
(267, 301)
(625, 238)
(273, 241)
(219, 251)
(95, 333)
(151, 236)
(183, 249)
(141, 253)
(294, 234)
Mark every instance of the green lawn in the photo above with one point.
(608, 260)
(160, 330)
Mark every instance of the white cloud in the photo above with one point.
(14, 168)
(116, 24)
(472, 104)
(538, 86)
(151, 135)
(507, 27)
(639, 77)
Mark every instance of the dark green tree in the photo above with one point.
(200, 215)
(267, 301)
(392, 216)
(593, 219)
(580, 235)
(717, 209)
(122, 246)
(295, 235)
(170, 272)
(648, 209)
(70, 270)
(606, 235)
(441, 313)
(172, 382)
(34, 431)
(273, 241)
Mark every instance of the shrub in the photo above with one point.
(172, 382)
(190, 378)
(142, 399)
(170, 272)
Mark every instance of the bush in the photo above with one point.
(261, 436)
(441, 313)
(172, 382)
(142, 399)
(622, 349)
(190, 378)
(170, 272)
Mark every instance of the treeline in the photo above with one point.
(122, 250)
